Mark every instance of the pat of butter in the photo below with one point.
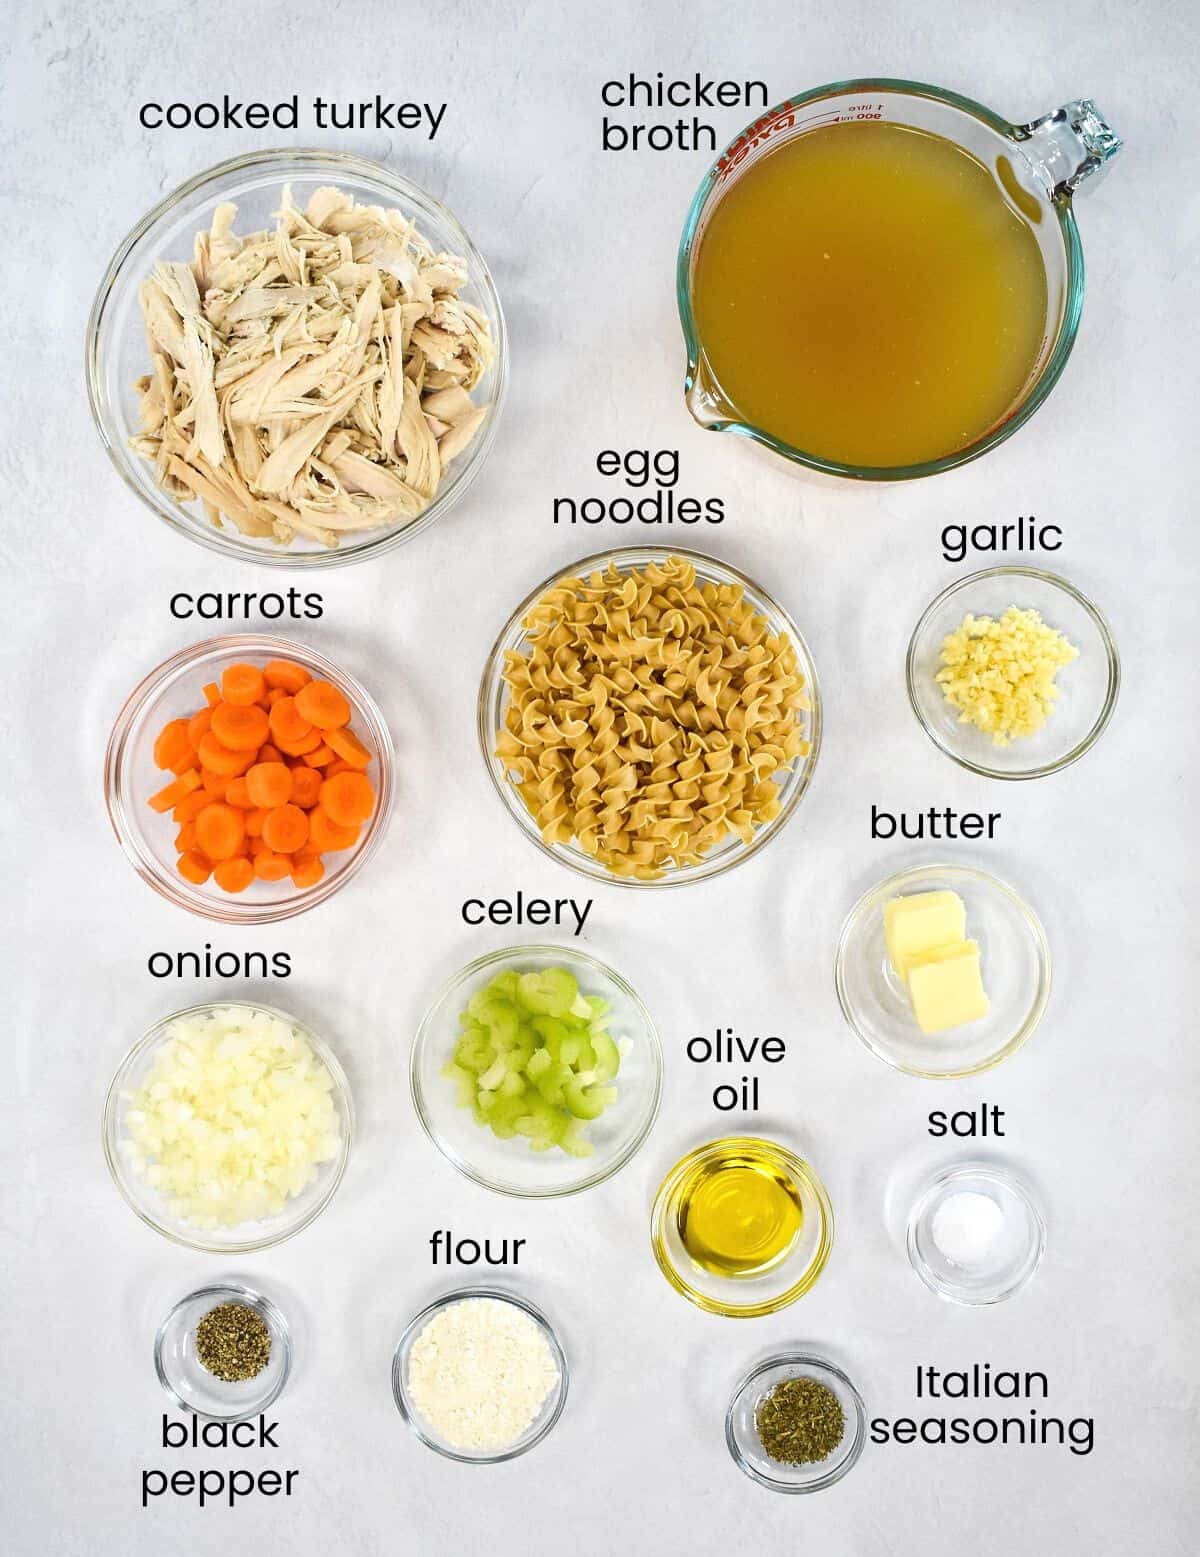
(919, 923)
(946, 987)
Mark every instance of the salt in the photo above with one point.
(966, 1226)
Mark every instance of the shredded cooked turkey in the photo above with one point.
(313, 380)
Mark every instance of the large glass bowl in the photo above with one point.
(174, 690)
(117, 355)
(146, 1202)
(1015, 959)
(1087, 687)
(511, 1167)
(493, 698)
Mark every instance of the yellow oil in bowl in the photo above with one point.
(739, 1215)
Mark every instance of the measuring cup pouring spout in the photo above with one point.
(1039, 166)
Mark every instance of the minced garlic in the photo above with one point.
(999, 673)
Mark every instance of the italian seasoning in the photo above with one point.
(800, 1422)
(233, 1342)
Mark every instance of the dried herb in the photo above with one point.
(233, 1342)
(800, 1422)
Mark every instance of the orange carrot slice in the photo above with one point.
(349, 748)
(240, 727)
(322, 704)
(286, 674)
(285, 829)
(348, 798)
(242, 685)
(324, 833)
(220, 831)
(269, 784)
(234, 875)
(175, 791)
(194, 867)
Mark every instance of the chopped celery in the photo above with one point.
(534, 1059)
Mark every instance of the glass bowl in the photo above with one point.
(741, 1434)
(511, 1167)
(1016, 975)
(1088, 687)
(189, 1383)
(149, 1205)
(174, 690)
(116, 353)
(493, 699)
(552, 1406)
(765, 1292)
(1009, 1263)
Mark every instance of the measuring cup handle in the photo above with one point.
(1070, 144)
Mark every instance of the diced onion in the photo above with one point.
(234, 1117)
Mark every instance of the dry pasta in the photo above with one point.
(649, 715)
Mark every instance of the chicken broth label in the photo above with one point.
(636, 488)
(639, 111)
(322, 113)
(725, 1047)
(212, 1486)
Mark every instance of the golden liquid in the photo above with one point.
(738, 1216)
(866, 294)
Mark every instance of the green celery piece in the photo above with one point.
(551, 1033)
(503, 1129)
(551, 1083)
(505, 983)
(464, 1084)
(576, 1051)
(587, 1102)
(513, 1085)
(581, 1007)
(474, 1052)
(519, 1056)
(538, 1064)
(574, 1140)
(549, 993)
(494, 1075)
(607, 1057)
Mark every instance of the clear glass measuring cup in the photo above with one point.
(1039, 165)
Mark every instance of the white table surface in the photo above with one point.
(1100, 1105)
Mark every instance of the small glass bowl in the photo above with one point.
(174, 690)
(189, 1383)
(145, 1200)
(510, 1167)
(1088, 687)
(552, 1407)
(1016, 975)
(741, 1434)
(493, 699)
(1009, 1264)
(117, 355)
(743, 1297)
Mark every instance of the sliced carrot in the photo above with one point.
(337, 766)
(240, 727)
(255, 847)
(214, 783)
(348, 798)
(287, 722)
(254, 822)
(191, 805)
(285, 829)
(212, 693)
(269, 784)
(274, 695)
(306, 786)
(234, 875)
(198, 726)
(325, 833)
(269, 753)
(194, 867)
(320, 758)
(237, 793)
(349, 748)
(218, 757)
(220, 831)
(271, 867)
(322, 704)
(185, 838)
(286, 674)
(172, 749)
(299, 745)
(175, 791)
(308, 871)
(242, 685)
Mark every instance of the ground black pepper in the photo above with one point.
(800, 1422)
(233, 1342)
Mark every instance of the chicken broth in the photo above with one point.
(866, 293)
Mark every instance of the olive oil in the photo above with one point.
(738, 1213)
(867, 294)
